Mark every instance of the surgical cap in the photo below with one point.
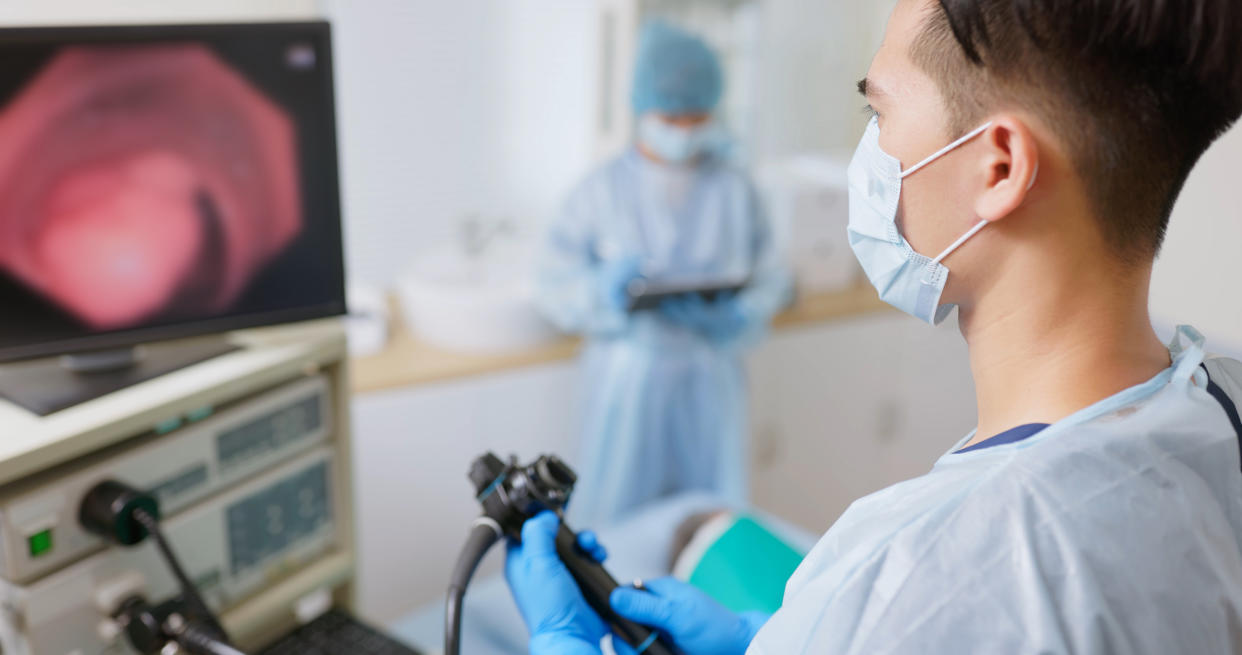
(676, 72)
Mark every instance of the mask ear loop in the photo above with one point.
(931, 266)
(958, 244)
(978, 226)
(946, 150)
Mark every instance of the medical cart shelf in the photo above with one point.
(407, 362)
(224, 444)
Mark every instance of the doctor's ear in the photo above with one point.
(1011, 168)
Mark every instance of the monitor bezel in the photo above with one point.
(318, 30)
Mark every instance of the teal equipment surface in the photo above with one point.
(740, 562)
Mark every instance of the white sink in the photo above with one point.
(483, 304)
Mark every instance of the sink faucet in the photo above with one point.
(477, 234)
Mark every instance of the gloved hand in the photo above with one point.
(695, 622)
(719, 320)
(558, 617)
(614, 280)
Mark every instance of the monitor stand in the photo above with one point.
(46, 386)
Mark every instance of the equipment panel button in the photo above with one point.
(40, 543)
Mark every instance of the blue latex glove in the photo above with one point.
(558, 617)
(720, 320)
(614, 279)
(695, 622)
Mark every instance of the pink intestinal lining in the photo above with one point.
(106, 157)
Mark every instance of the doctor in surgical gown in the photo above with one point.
(665, 406)
(1014, 548)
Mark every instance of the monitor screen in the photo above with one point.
(165, 181)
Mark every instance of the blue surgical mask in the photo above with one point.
(673, 144)
(905, 279)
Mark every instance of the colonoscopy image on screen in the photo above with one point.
(165, 182)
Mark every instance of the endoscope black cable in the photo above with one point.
(188, 588)
(483, 536)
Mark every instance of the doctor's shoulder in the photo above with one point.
(596, 190)
(1095, 542)
(728, 177)
(728, 170)
(609, 172)
(1121, 547)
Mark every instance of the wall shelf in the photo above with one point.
(408, 362)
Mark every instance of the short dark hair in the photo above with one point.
(1137, 89)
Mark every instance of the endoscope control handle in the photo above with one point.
(597, 585)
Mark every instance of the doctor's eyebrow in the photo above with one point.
(869, 91)
(867, 88)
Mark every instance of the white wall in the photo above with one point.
(814, 53)
(455, 108)
(1197, 280)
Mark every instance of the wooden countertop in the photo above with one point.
(408, 362)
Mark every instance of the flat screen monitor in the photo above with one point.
(165, 181)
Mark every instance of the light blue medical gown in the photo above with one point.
(665, 408)
(1114, 531)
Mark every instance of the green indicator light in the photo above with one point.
(167, 426)
(199, 414)
(40, 543)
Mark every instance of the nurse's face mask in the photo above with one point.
(676, 144)
(904, 279)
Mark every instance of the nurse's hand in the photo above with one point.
(720, 320)
(558, 617)
(614, 280)
(695, 622)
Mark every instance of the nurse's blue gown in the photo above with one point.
(665, 406)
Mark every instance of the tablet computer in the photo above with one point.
(647, 295)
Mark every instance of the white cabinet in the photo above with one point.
(845, 409)
(839, 410)
(412, 451)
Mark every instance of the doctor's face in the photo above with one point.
(936, 205)
(684, 121)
